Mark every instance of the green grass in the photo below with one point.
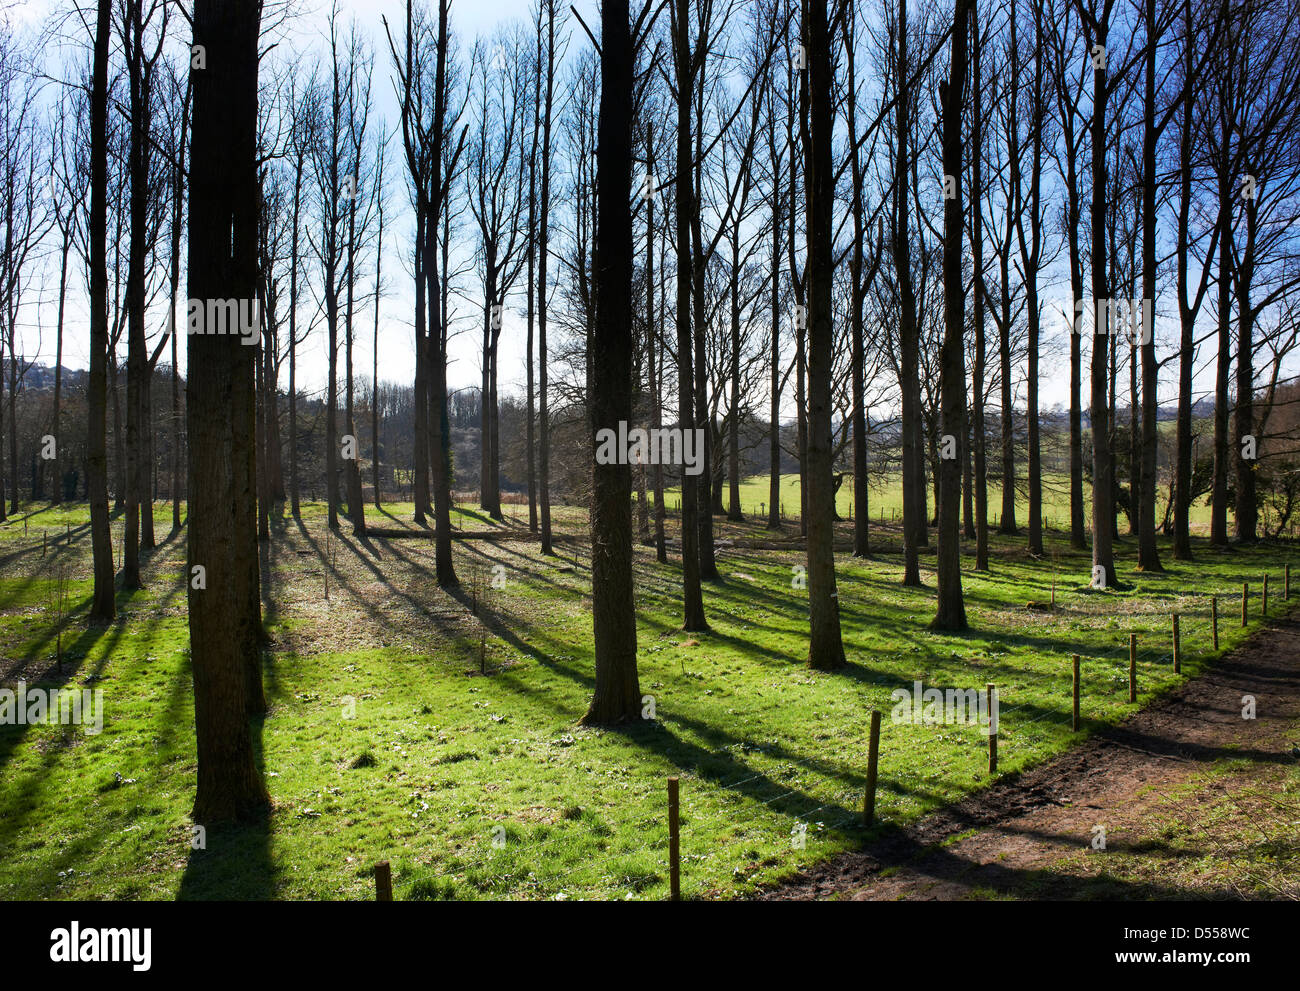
(439, 759)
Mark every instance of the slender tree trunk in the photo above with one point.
(1103, 513)
(55, 429)
(825, 648)
(437, 336)
(693, 599)
(977, 261)
(909, 345)
(1219, 489)
(103, 606)
(1246, 509)
(374, 383)
(951, 613)
(543, 252)
(774, 394)
(1148, 554)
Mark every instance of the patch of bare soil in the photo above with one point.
(1195, 800)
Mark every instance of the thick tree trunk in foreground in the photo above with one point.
(222, 537)
(617, 696)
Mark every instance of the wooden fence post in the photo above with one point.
(993, 733)
(1132, 667)
(674, 843)
(383, 882)
(873, 754)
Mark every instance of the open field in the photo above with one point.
(405, 727)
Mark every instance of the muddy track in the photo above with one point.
(1001, 839)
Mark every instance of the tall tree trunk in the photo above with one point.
(1148, 554)
(617, 696)
(1219, 487)
(857, 291)
(178, 218)
(977, 260)
(825, 648)
(1246, 509)
(222, 539)
(356, 501)
(543, 250)
(440, 426)
(55, 428)
(693, 598)
(654, 352)
(137, 358)
(531, 406)
(909, 345)
(951, 613)
(1032, 257)
(103, 606)
(1103, 494)
(774, 393)
(704, 484)
(1182, 496)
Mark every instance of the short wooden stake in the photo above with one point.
(1214, 619)
(1245, 597)
(383, 882)
(873, 754)
(993, 732)
(1178, 666)
(674, 843)
(1074, 725)
(1132, 667)
(1263, 602)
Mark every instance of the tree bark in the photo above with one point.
(617, 696)
(223, 265)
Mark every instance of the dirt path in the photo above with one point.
(1185, 781)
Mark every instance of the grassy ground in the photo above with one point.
(405, 727)
(887, 498)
